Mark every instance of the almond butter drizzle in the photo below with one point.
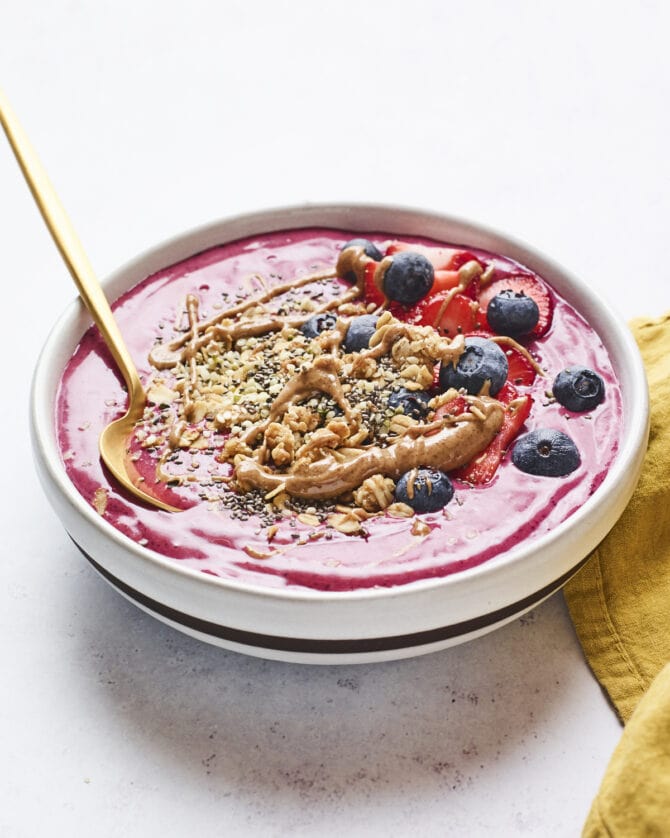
(458, 442)
(466, 274)
(164, 357)
(504, 340)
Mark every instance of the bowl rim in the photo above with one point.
(628, 454)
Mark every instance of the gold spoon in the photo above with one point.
(113, 439)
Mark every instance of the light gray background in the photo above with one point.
(547, 121)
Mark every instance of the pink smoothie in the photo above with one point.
(478, 524)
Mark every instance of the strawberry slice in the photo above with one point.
(459, 317)
(370, 290)
(444, 281)
(483, 468)
(521, 371)
(442, 258)
(422, 313)
(455, 407)
(461, 257)
(526, 284)
(409, 314)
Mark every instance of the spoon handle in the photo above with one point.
(68, 244)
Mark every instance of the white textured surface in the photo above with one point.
(548, 123)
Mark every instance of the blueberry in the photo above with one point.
(546, 453)
(579, 389)
(369, 249)
(512, 313)
(481, 361)
(360, 330)
(318, 323)
(414, 403)
(424, 489)
(408, 278)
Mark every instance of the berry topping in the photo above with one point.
(512, 313)
(451, 315)
(369, 248)
(318, 323)
(424, 489)
(444, 281)
(456, 407)
(579, 389)
(546, 453)
(529, 286)
(483, 468)
(408, 278)
(459, 317)
(482, 362)
(521, 371)
(441, 258)
(371, 251)
(414, 403)
(360, 330)
(371, 293)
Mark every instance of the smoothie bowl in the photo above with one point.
(388, 431)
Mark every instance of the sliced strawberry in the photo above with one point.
(455, 407)
(442, 258)
(460, 316)
(472, 289)
(521, 371)
(462, 257)
(372, 293)
(409, 314)
(422, 313)
(507, 394)
(524, 284)
(484, 325)
(444, 281)
(483, 468)
(480, 325)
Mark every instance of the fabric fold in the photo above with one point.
(634, 798)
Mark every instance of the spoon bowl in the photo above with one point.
(113, 445)
(113, 441)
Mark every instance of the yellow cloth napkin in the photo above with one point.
(620, 606)
(634, 799)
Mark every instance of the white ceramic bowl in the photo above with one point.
(363, 625)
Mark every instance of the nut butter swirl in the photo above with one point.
(454, 445)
